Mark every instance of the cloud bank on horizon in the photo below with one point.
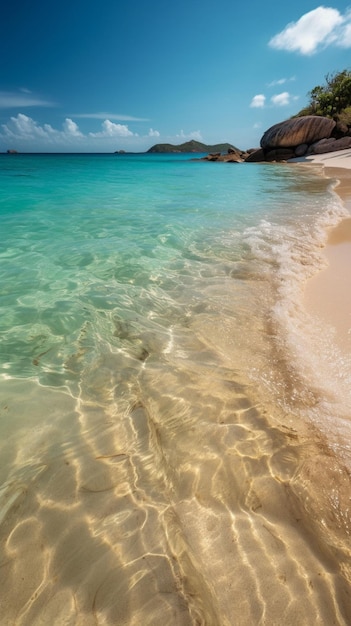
(24, 128)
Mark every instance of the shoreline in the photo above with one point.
(327, 294)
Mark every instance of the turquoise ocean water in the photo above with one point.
(167, 406)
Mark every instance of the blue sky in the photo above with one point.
(102, 76)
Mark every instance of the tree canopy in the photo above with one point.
(332, 99)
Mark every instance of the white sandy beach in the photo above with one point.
(328, 294)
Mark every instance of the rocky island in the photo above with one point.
(191, 146)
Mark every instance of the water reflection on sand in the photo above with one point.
(168, 491)
(169, 416)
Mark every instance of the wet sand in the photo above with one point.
(328, 294)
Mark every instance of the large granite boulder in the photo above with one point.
(299, 130)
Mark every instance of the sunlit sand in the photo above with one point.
(328, 294)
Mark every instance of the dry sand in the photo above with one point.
(328, 294)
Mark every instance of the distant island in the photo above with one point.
(191, 146)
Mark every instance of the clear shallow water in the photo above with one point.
(167, 406)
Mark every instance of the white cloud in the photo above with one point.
(71, 128)
(110, 129)
(10, 100)
(258, 101)
(281, 99)
(314, 30)
(25, 134)
(274, 83)
(110, 116)
(196, 134)
(345, 37)
(281, 81)
(24, 128)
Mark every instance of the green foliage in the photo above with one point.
(331, 99)
(345, 116)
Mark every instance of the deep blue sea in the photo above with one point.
(165, 397)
